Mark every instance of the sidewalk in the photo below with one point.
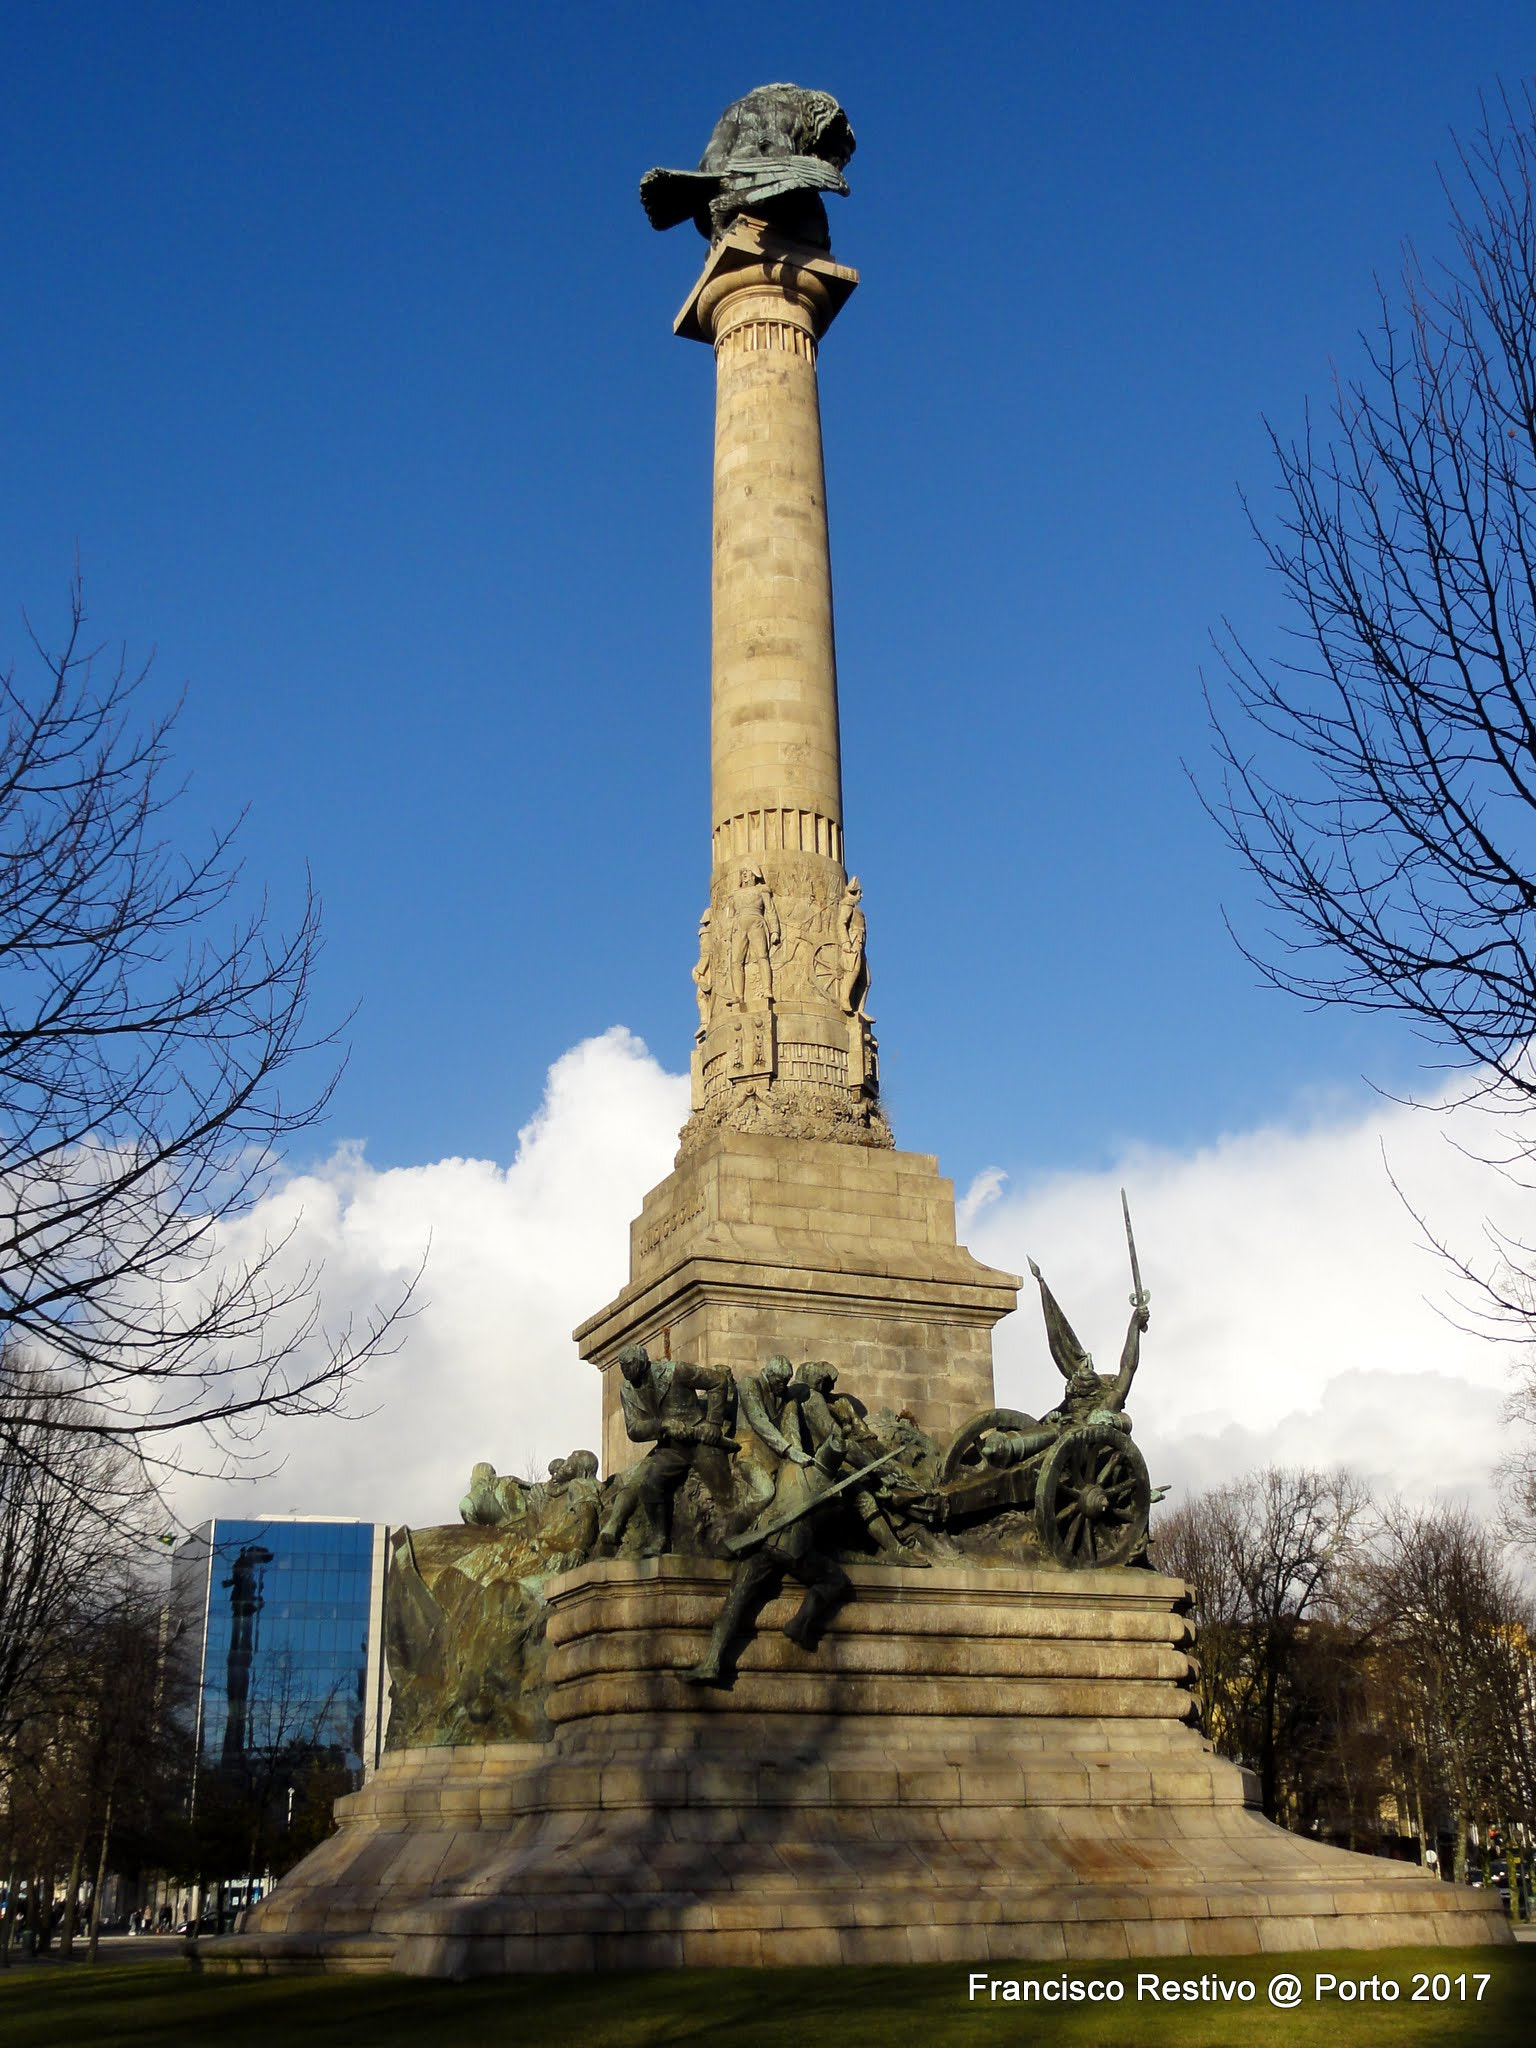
(111, 1948)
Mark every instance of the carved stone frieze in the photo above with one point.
(752, 1055)
(785, 1043)
(805, 894)
(789, 1109)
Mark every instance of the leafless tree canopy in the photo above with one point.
(85, 1745)
(153, 1057)
(1380, 781)
(1375, 1667)
(1266, 1557)
(72, 1516)
(1454, 1634)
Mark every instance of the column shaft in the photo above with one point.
(776, 768)
(784, 1042)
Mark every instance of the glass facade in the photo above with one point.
(280, 1620)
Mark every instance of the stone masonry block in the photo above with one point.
(800, 1947)
(889, 1944)
(1284, 1935)
(749, 1912)
(1094, 1940)
(657, 1951)
(818, 1800)
(1234, 1934)
(1158, 1938)
(722, 1948)
(945, 1944)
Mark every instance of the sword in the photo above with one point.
(737, 1544)
(1141, 1298)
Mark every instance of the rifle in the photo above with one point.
(737, 1544)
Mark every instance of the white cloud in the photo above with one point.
(1298, 1316)
(983, 1191)
(1294, 1308)
(519, 1255)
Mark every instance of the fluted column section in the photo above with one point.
(776, 768)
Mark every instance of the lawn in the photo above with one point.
(144, 2005)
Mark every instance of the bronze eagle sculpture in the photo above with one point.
(772, 155)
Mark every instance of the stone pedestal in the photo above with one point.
(758, 1244)
(975, 1766)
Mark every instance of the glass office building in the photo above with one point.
(281, 1635)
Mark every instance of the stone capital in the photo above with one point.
(805, 285)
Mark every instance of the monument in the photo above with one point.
(789, 1210)
(838, 1661)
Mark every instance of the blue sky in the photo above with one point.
(339, 346)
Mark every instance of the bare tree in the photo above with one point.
(1379, 780)
(1461, 1632)
(1376, 1670)
(153, 1040)
(80, 1638)
(263, 1806)
(95, 1773)
(1264, 1556)
(72, 1511)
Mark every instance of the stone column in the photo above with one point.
(773, 686)
(784, 1043)
(767, 1238)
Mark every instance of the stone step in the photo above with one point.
(865, 1805)
(867, 1656)
(846, 1693)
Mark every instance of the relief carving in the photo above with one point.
(704, 976)
(851, 929)
(753, 1059)
(752, 931)
(863, 1057)
(808, 964)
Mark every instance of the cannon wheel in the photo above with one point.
(973, 1432)
(1092, 1497)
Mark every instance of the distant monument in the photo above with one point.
(839, 1662)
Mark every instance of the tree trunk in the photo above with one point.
(1425, 1845)
(72, 1901)
(1269, 1756)
(8, 1921)
(1346, 1779)
(44, 1911)
(101, 1878)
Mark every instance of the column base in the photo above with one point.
(758, 1244)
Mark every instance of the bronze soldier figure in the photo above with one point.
(662, 1408)
(787, 1544)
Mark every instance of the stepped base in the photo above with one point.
(975, 1766)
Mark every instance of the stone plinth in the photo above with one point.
(975, 1766)
(756, 1245)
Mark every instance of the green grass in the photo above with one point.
(144, 2005)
